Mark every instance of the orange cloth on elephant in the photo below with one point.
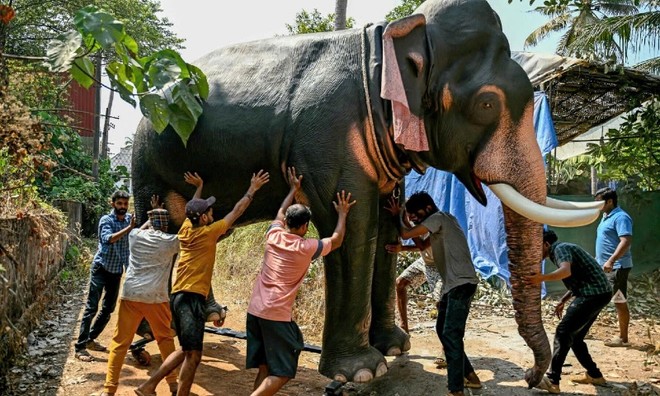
(195, 269)
(286, 260)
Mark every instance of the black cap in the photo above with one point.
(196, 207)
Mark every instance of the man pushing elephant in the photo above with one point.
(274, 339)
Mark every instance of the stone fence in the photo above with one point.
(32, 250)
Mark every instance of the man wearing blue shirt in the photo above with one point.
(613, 240)
(107, 267)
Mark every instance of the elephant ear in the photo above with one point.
(403, 79)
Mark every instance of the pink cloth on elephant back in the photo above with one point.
(409, 129)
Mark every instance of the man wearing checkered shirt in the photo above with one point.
(585, 280)
(107, 267)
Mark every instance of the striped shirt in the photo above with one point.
(587, 276)
(112, 256)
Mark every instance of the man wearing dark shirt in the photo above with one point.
(585, 280)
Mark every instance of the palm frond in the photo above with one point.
(620, 7)
(556, 24)
(650, 65)
(633, 31)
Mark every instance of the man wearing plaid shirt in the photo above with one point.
(585, 280)
(107, 267)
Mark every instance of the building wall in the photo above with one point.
(83, 102)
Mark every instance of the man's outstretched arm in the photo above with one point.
(258, 180)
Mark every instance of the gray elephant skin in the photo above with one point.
(314, 102)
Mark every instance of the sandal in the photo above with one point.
(617, 343)
(472, 381)
(84, 356)
(440, 363)
(94, 345)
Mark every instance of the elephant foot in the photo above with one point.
(360, 366)
(391, 342)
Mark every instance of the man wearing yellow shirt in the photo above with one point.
(198, 237)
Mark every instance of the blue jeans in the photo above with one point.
(100, 280)
(570, 333)
(453, 311)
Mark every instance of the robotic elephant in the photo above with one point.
(356, 110)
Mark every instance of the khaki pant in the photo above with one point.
(129, 317)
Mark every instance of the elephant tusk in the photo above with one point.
(559, 204)
(542, 214)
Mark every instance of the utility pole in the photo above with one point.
(106, 127)
(97, 116)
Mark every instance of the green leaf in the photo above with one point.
(117, 74)
(130, 43)
(155, 108)
(163, 71)
(83, 71)
(199, 78)
(62, 51)
(182, 121)
(105, 29)
(183, 97)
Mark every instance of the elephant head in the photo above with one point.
(468, 109)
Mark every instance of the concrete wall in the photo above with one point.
(644, 208)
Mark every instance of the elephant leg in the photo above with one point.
(347, 354)
(384, 335)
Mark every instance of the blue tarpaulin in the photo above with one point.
(483, 225)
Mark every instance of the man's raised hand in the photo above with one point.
(258, 180)
(343, 204)
(294, 181)
(193, 178)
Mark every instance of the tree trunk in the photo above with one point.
(340, 14)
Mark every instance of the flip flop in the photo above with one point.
(472, 385)
(440, 363)
(84, 356)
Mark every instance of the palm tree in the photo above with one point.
(635, 33)
(340, 14)
(573, 17)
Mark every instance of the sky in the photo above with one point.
(210, 24)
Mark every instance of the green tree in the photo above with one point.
(407, 7)
(634, 33)
(314, 22)
(572, 17)
(632, 153)
(37, 22)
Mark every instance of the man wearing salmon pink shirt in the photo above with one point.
(274, 339)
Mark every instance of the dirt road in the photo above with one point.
(492, 342)
(497, 352)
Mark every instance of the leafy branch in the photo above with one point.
(170, 91)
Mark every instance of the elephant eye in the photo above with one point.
(485, 109)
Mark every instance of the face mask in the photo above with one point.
(120, 212)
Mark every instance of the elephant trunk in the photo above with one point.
(524, 259)
(513, 156)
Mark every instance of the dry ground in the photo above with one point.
(497, 352)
